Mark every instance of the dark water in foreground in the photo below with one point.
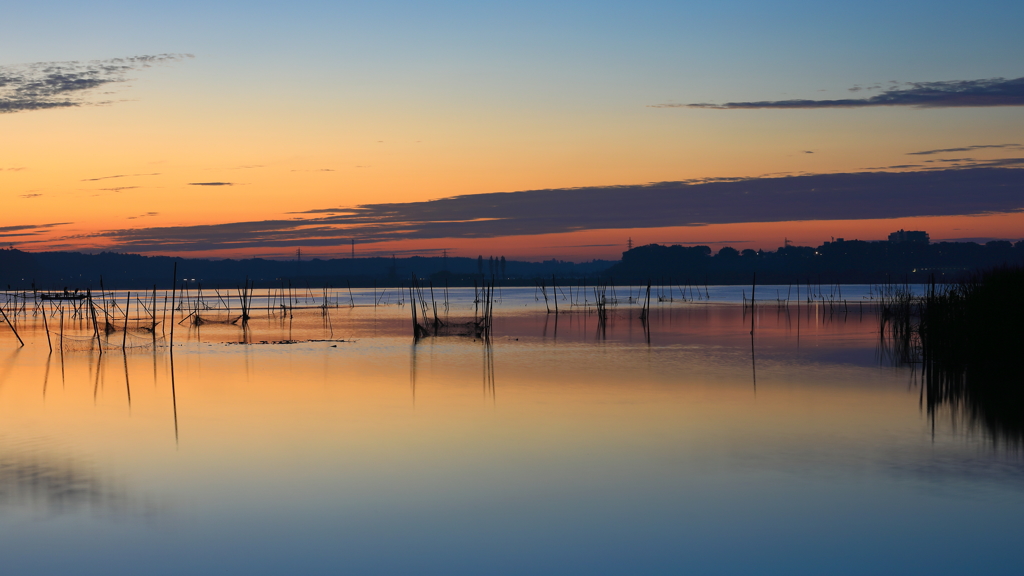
(557, 449)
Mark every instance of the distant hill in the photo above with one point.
(847, 262)
(56, 270)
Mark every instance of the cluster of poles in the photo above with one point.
(441, 325)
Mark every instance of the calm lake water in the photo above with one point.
(558, 448)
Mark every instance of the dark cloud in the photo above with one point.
(321, 211)
(118, 188)
(947, 94)
(45, 85)
(847, 196)
(958, 163)
(118, 176)
(895, 167)
(211, 183)
(18, 169)
(964, 149)
(35, 195)
(31, 226)
(999, 162)
(28, 229)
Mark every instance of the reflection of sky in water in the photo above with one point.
(550, 452)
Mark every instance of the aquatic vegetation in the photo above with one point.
(967, 337)
(971, 341)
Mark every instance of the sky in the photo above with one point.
(531, 130)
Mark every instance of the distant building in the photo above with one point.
(909, 237)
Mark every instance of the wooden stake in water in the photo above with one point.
(13, 329)
(124, 337)
(174, 287)
(95, 324)
(47, 328)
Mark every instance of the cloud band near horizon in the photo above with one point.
(944, 94)
(846, 196)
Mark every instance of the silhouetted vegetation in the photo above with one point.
(839, 262)
(56, 270)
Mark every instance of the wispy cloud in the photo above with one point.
(847, 196)
(964, 149)
(211, 183)
(945, 94)
(958, 163)
(118, 176)
(118, 188)
(28, 229)
(45, 85)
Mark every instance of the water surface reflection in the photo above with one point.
(557, 446)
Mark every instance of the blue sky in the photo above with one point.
(405, 101)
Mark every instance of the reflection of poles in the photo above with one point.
(46, 376)
(127, 386)
(99, 366)
(753, 315)
(489, 370)
(412, 371)
(174, 398)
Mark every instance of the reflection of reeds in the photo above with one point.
(967, 338)
(898, 313)
(971, 344)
